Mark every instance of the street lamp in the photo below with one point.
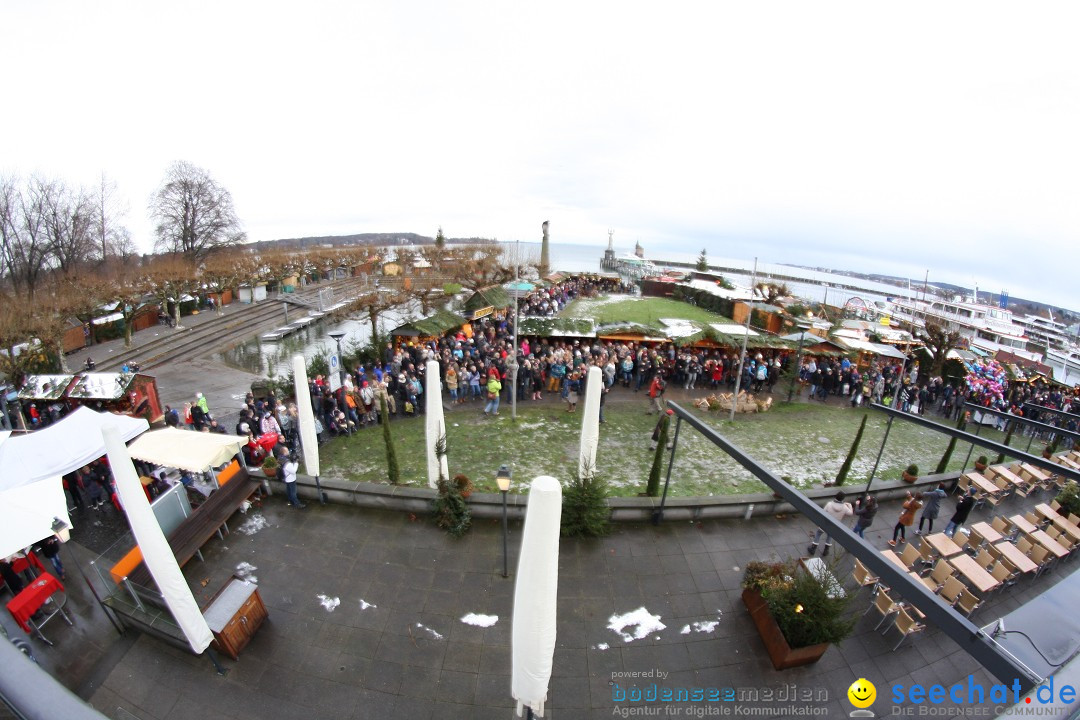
(337, 335)
(502, 478)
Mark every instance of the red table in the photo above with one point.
(22, 564)
(30, 600)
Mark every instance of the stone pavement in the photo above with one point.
(409, 655)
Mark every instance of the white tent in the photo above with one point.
(31, 492)
(27, 513)
(61, 447)
(186, 450)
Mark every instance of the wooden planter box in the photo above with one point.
(783, 656)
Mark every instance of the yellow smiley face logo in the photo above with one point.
(862, 693)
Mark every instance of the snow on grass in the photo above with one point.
(480, 620)
(254, 524)
(329, 603)
(436, 635)
(364, 605)
(641, 620)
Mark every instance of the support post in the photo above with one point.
(742, 355)
(888, 427)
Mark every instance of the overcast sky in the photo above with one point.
(864, 136)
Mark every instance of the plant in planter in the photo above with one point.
(911, 474)
(1069, 499)
(796, 615)
(980, 463)
(270, 466)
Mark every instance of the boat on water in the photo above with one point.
(987, 327)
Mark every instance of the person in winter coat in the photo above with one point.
(933, 499)
(865, 510)
(838, 510)
(907, 518)
(963, 509)
(494, 387)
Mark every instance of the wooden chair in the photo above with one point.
(1003, 575)
(1005, 487)
(1024, 545)
(942, 571)
(1041, 557)
(907, 626)
(1025, 490)
(952, 589)
(1055, 505)
(985, 559)
(884, 605)
(976, 539)
(968, 603)
(927, 554)
(962, 485)
(990, 500)
(1008, 564)
(862, 576)
(1000, 524)
(1073, 518)
(911, 558)
(1033, 518)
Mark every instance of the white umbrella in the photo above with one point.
(590, 422)
(434, 425)
(535, 595)
(309, 440)
(155, 549)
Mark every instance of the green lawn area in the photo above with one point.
(647, 311)
(804, 442)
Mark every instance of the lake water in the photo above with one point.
(273, 358)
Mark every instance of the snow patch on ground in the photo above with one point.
(641, 620)
(364, 605)
(245, 506)
(480, 620)
(705, 626)
(437, 636)
(601, 646)
(254, 524)
(244, 570)
(328, 602)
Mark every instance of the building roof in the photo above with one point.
(494, 295)
(436, 325)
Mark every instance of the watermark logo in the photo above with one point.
(862, 694)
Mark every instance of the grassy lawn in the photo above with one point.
(647, 311)
(804, 442)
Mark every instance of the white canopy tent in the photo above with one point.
(31, 466)
(61, 447)
(186, 450)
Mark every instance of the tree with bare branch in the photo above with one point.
(111, 237)
(169, 278)
(24, 237)
(219, 274)
(194, 214)
(938, 343)
(69, 220)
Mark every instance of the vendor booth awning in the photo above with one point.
(434, 326)
(45, 387)
(62, 447)
(28, 512)
(186, 450)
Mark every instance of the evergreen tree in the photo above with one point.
(585, 511)
(702, 262)
(653, 488)
(440, 239)
(943, 464)
(1008, 440)
(452, 513)
(842, 475)
(393, 473)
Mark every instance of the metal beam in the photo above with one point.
(967, 635)
(1000, 448)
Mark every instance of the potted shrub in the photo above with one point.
(1047, 452)
(911, 474)
(270, 466)
(1069, 499)
(980, 463)
(794, 613)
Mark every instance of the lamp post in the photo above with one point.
(502, 478)
(337, 335)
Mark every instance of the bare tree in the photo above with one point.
(69, 218)
(220, 273)
(24, 237)
(16, 327)
(194, 214)
(127, 290)
(168, 279)
(938, 343)
(111, 237)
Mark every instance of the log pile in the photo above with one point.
(744, 403)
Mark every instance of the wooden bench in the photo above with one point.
(202, 524)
